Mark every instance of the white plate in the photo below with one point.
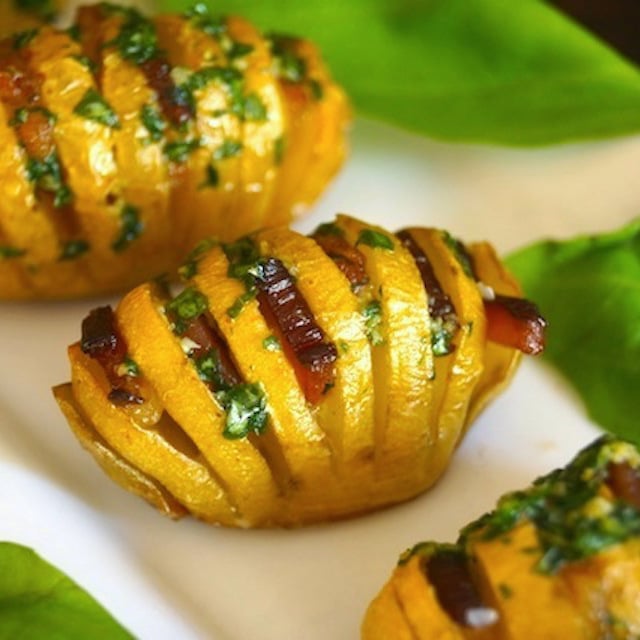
(188, 580)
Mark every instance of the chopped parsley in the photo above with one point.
(317, 91)
(47, 175)
(253, 109)
(130, 228)
(23, 38)
(129, 367)
(239, 50)
(289, 66)
(94, 107)
(7, 252)
(461, 254)
(153, 122)
(178, 151)
(212, 178)
(201, 18)
(279, 148)
(245, 264)
(572, 519)
(187, 305)
(74, 249)
(372, 314)
(228, 149)
(87, 62)
(236, 308)
(271, 343)
(137, 40)
(246, 408)
(190, 267)
(443, 330)
(209, 369)
(375, 239)
(328, 229)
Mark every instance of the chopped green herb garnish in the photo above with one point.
(375, 239)
(87, 62)
(228, 149)
(47, 174)
(74, 32)
(74, 249)
(130, 228)
(246, 408)
(573, 521)
(201, 18)
(7, 252)
(505, 590)
(236, 308)
(44, 8)
(130, 367)
(189, 304)
(317, 91)
(137, 40)
(372, 313)
(253, 108)
(239, 50)
(289, 66)
(94, 107)
(461, 254)
(209, 369)
(21, 115)
(212, 178)
(190, 267)
(23, 38)
(179, 150)
(329, 229)
(271, 343)
(443, 330)
(153, 122)
(279, 148)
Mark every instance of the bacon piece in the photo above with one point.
(449, 574)
(516, 323)
(624, 481)
(102, 341)
(36, 134)
(303, 341)
(440, 305)
(207, 339)
(350, 260)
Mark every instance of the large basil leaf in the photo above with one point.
(471, 70)
(589, 290)
(37, 601)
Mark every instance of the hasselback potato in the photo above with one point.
(126, 140)
(296, 379)
(558, 561)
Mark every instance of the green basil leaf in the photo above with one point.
(38, 601)
(475, 70)
(588, 288)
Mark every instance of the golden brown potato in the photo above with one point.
(126, 140)
(558, 561)
(295, 378)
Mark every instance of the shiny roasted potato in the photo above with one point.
(295, 378)
(126, 140)
(558, 561)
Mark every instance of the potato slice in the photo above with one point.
(456, 374)
(385, 618)
(402, 363)
(113, 464)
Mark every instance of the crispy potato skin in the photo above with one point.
(382, 432)
(216, 132)
(588, 595)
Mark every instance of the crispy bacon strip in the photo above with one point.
(350, 260)
(515, 323)
(102, 341)
(291, 320)
(456, 591)
(440, 305)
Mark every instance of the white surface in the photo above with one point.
(188, 580)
